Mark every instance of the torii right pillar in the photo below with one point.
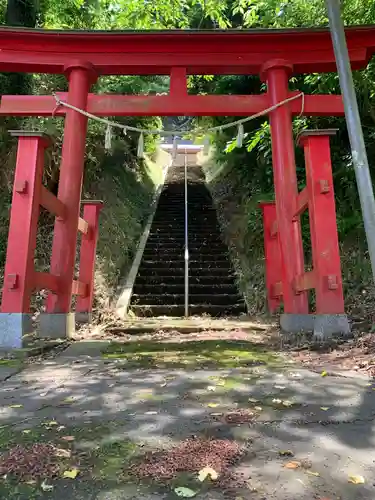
(318, 197)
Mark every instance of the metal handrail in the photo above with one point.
(186, 242)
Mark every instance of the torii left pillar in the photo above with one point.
(58, 320)
(19, 274)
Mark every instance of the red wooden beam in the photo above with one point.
(79, 288)
(277, 290)
(161, 64)
(302, 202)
(195, 105)
(305, 281)
(46, 281)
(156, 52)
(51, 203)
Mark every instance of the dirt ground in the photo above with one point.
(210, 414)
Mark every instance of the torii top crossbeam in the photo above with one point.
(200, 52)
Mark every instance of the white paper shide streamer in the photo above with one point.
(108, 138)
(240, 135)
(206, 145)
(174, 148)
(141, 145)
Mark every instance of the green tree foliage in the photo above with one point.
(253, 163)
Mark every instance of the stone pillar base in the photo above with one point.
(13, 326)
(322, 326)
(83, 317)
(56, 325)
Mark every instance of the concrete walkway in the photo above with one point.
(327, 422)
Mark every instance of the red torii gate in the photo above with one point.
(85, 56)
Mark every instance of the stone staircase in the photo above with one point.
(159, 286)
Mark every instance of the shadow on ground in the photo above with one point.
(117, 407)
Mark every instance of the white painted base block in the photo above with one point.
(13, 326)
(56, 325)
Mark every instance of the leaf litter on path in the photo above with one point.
(36, 461)
(240, 416)
(190, 456)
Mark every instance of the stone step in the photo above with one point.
(194, 310)
(194, 254)
(178, 299)
(169, 245)
(194, 258)
(179, 280)
(222, 263)
(177, 289)
(217, 272)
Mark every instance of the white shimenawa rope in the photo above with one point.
(195, 132)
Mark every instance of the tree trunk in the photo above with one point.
(20, 13)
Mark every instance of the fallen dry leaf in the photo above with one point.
(356, 479)
(69, 399)
(15, 406)
(46, 487)
(287, 403)
(61, 452)
(311, 473)
(324, 373)
(68, 438)
(207, 472)
(213, 405)
(292, 465)
(324, 408)
(185, 492)
(71, 474)
(286, 453)
(26, 431)
(258, 408)
(52, 423)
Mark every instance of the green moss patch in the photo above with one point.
(191, 355)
